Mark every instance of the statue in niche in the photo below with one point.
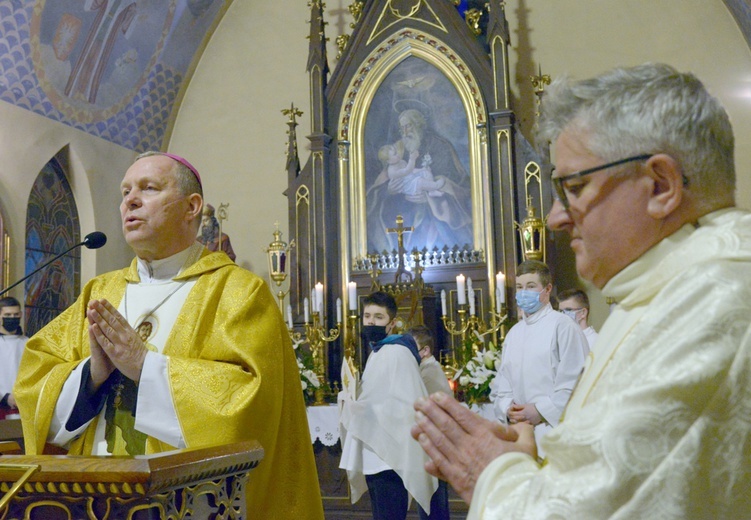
(211, 232)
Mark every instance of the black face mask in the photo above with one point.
(11, 324)
(371, 334)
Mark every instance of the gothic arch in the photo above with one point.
(52, 226)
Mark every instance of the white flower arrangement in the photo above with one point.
(475, 376)
(308, 379)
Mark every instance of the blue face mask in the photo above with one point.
(571, 313)
(528, 301)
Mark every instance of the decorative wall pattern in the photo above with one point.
(111, 68)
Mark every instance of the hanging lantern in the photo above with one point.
(532, 235)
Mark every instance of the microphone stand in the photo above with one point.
(85, 242)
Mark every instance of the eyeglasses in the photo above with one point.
(563, 184)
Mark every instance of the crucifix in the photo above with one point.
(400, 230)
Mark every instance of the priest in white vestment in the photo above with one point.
(659, 426)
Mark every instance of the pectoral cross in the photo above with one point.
(400, 230)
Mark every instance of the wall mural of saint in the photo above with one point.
(417, 161)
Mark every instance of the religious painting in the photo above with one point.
(52, 226)
(417, 161)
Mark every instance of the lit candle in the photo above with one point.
(500, 283)
(352, 287)
(471, 295)
(461, 294)
(290, 323)
(306, 310)
(319, 298)
(443, 303)
(338, 310)
(498, 293)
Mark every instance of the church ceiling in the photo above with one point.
(114, 68)
(111, 68)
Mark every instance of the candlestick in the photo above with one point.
(352, 288)
(338, 310)
(500, 283)
(319, 298)
(290, 323)
(306, 310)
(461, 295)
(443, 303)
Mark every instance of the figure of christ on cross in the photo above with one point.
(401, 271)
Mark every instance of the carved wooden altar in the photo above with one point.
(417, 76)
(192, 483)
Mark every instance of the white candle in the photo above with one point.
(461, 294)
(469, 285)
(498, 300)
(319, 298)
(471, 295)
(306, 310)
(338, 310)
(352, 287)
(443, 303)
(313, 305)
(500, 283)
(290, 323)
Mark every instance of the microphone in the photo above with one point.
(93, 240)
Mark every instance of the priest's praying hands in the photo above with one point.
(461, 444)
(114, 344)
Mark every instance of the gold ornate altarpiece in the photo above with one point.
(409, 50)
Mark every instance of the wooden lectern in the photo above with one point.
(191, 483)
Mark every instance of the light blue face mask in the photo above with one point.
(528, 301)
(571, 313)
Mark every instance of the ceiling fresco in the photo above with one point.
(115, 68)
(111, 68)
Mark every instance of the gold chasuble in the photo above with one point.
(232, 372)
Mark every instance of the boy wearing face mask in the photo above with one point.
(378, 452)
(541, 359)
(12, 343)
(574, 303)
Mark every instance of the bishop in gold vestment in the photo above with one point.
(230, 368)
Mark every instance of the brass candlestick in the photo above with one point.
(351, 345)
(471, 326)
(316, 337)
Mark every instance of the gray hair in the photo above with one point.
(186, 179)
(650, 108)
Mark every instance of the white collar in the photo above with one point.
(166, 269)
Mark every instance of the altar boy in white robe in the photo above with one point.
(377, 450)
(542, 356)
